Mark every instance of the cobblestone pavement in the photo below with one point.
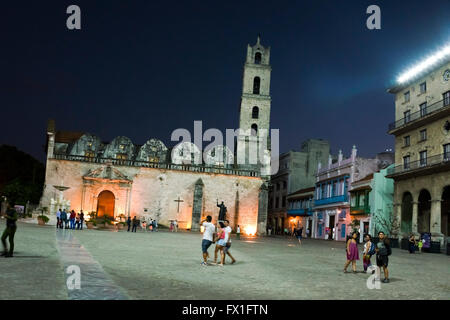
(163, 265)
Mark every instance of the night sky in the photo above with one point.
(144, 68)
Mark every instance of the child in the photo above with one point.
(420, 244)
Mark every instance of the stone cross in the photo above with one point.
(178, 209)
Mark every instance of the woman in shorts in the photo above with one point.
(221, 243)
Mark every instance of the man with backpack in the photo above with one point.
(383, 251)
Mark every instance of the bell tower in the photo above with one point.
(254, 114)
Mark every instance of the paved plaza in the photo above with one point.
(163, 265)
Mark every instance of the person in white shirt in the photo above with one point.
(228, 243)
(208, 238)
(58, 218)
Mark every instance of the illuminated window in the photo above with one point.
(153, 159)
(89, 154)
(122, 147)
(121, 156)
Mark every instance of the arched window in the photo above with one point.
(255, 113)
(254, 129)
(258, 58)
(256, 83)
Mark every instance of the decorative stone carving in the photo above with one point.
(120, 148)
(186, 153)
(219, 155)
(87, 145)
(153, 150)
(106, 173)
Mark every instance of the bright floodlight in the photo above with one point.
(441, 54)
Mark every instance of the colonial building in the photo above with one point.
(371, 203)
(332, 199)
(422, 148)
(300, 210)
(296, 171)
(149, 180)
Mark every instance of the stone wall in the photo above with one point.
(153, 192)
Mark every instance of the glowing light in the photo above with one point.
(250, 230)
(428, 62)
(202, 229)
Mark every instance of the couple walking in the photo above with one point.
(222, 239)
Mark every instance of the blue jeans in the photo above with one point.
(72, 223)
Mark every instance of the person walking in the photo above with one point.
(58, 218)
(369, 251)
(144, 225)
(238, 232)
(412, 244)
(352, 252)
(175, 225)
(383, 251)
(227, 247)
(208, 238)
(10, 231)
(129, 223)
(81, 219)
(135, 224)
(298, 234)
(155, 225)
(220, 245)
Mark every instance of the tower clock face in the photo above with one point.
(446, 75)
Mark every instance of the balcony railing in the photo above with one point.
(428, 110)
(360, 209)
(428, 162)
(300, 212)
(160, 165)
(321, 202)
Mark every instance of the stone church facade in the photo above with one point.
(120, 177)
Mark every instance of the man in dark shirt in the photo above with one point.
(135, 224)
(11, 218)
(383, 251)
(129, 223)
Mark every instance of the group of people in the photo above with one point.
(414, 245)
(132, 224)
(382, 250)
(69, 220)
(222, 239)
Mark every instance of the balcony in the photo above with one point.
(425, 166)
(202, 168)
(364, 209)
(300, 212)
(416, 119)
(331, 200)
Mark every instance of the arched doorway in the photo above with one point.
(105, 204)
(424, 214)
(407, 209)
(445, 212)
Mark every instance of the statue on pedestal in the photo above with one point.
(222, 211)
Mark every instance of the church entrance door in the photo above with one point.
(105, 205)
